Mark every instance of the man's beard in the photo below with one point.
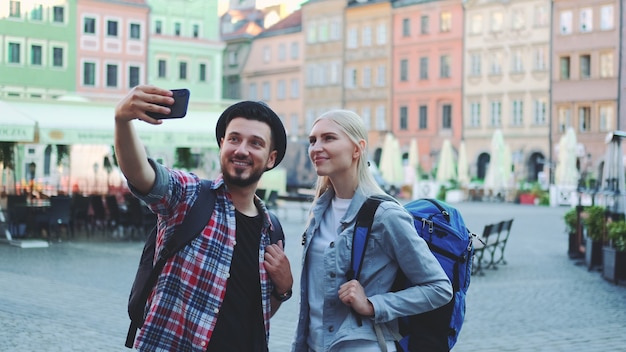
(239, 181)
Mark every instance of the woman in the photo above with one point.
(337, 314)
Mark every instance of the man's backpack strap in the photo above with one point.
(277, 234)
(194, 222)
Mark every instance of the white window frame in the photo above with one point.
(607, 17)
(475, 114)
(63, 46)
(295, 88)
(539, 112)
(96, 69)
(366, 39)
(353, 41)
(367, 77)
(22, 50)
(607, 65)
(586, 20)
(44, 50)
(381, 123)
(381, 75)
(517, 112)
(281, 90)
(381, 34)
(565, 23)
(105, 73)
(495, 113)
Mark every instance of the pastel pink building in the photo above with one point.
(111, 47)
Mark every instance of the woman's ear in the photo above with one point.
(358, 149)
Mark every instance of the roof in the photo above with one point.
(289, 24)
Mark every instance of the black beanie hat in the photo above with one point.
(259, 111)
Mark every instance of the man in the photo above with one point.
(218, 293)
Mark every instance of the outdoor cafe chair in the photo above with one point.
(59, 215)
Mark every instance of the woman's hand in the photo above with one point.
(352, 294)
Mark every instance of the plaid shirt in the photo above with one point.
(183, 307)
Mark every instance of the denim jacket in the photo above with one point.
(393, 245)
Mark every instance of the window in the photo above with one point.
(539, 112)
(267, 96)
(444, 68)
(295, 88)
(162, 69)
(232, 58)
(496, 21)
(89, 74)
(367, 36)
(311, 33)
(36, 55)
(446, 22)
(295, 50)
(281, 90)
(606, 17)
(282, 52)
(424, 24)
(565, 67)
(322, 32)
(293, 130)
(406, 27)
(158, 26)
(404, 118)
(366, 115)
(351, 78)
(195, 30)
(57, 57)
(36, 14)
(517, 113)
(133, 76)
(423, 68)
(267, 54)
(423, 117)
(606, 65)
(446, 116)
(177, 29)
(404, 70)
(202, 72)
(381, 75)
(539, 59)
(541, 15)
(58, 14)
(496, 67)
(89, 25)
(335, 29)
(135, 31)
(585, 66)
(112, 28)
(14, 53)
(182, 70)
(517, 65)
(565, 119)
(367, 77)
(381, 124)
(252, 95)
(475, 114)
(476, 24)
(475, 64)
(14, 9)
(352, 38)
(496, 113)
(584, 119)
(381, 34)
(111, 76)
(518, 19)
(606, 118)
(566, 22)
(586, 20)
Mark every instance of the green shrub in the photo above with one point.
(571, 220)
(594, 219)
(617, 234)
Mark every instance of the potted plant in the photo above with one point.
(594, 220)
(614, 253)
(571, 227)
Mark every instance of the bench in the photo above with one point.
(489, 250)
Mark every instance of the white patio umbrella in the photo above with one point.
(566, 173)
(446, 169)
(390, 164)
(412, 166)
(463, 167)
(499, 168)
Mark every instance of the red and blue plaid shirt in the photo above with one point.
(183, 308)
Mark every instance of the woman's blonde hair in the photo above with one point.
(352, 125)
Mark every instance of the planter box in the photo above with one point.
(573, 250)
(614, 264)
(593, 253)
(455, 196)
(526, 198)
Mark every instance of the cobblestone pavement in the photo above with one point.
(72, 295)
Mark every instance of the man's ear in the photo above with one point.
(271, 160)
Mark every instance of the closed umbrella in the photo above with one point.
(463, 167)
(446, 170)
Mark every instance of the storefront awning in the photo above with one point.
(14, 125)
(88, 123)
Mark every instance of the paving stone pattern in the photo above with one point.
(72, 295)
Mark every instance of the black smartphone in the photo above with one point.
(178, 109)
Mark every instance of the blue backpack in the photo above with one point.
(443, 229)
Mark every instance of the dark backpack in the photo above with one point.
(443, 229)
(194, 222)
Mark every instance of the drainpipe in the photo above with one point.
(620, 85)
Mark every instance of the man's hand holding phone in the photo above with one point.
(151, 104)
(178, 109)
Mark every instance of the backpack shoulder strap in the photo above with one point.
(194, 222)
(364, 221)
(277, 234)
